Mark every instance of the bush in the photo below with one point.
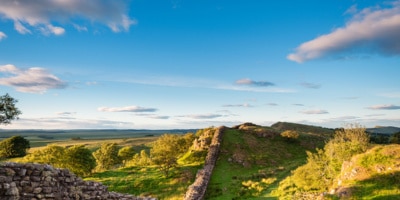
(13, 147)
(322, 167)
(107, 156)
(290, 134)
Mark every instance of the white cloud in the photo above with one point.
(203, 116)
(310, 85)
(247, 81)
(65, 113)
(21, 28)
(246, 105)
(126, 109)
(391, 95)
(2, 35)
(32, 80)
(68, 123)
(375, 28)
(313, 112)
(45, 14)
(384, 107)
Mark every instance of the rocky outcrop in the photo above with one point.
(35, 181)
(197, 190)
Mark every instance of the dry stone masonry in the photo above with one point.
(197, 190)
(38, 182)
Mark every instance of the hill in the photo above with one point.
(253, 159)
(283, 126)
(385, 130)
(374, 174)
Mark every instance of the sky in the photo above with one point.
(166, 64)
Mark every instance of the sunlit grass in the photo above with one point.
(269, 160)
(148, 181)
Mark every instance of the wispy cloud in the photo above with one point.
(46, 15)
(314, 112)
(203, 116)
(69, 123)
(247, 81)
(391, 95)
(2, 35)
(310, 85)
(152, 116)
(192, 82)
(126, 109)
(272, 104)
(377, 28)
(65, 113)
(32, 80)
(246, 105)
(298, 104)
(384, 107)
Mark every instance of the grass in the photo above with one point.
(250, 167)
(148, 181)
(378, 174)
(40, 138)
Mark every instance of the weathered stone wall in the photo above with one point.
(197, 190)
(35, 182)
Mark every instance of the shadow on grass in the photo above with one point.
(378, 187)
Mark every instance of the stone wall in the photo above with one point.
(197, 190)
(36, 182)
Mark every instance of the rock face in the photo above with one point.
(35, 181)
(197, 190)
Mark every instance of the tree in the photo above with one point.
(126, 153)
(107, 156)
(79, 160)
(13, 147)
(52, 155)
(395, 138)
(8, 110)
(325, 165)
(290, 135)
(164, 152)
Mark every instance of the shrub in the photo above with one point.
(290, 135)
(13, 147)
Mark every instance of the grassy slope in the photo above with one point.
(372, 175)
(148, 181)
(250, 167)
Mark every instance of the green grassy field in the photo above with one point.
(148, 181)
(250, 166)
(253, 161)
(90, 138)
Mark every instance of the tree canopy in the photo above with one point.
(8, 110)
(164, 152)
(13, 147)
(107, 156)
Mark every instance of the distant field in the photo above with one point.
(90, 138)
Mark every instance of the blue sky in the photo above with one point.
(123, 64)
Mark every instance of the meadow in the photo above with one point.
(255, 162)
(89, 138)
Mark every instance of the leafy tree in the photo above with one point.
(126, 153)
(324, 166)
(290, 135)
(107, 156)
(77, 159)
(185, 142)
(80, 160)
(164, 152)
(52, 155)
(8, 110)
(395, 138)
(13, 147)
